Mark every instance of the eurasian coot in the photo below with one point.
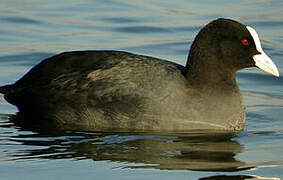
(115, 90)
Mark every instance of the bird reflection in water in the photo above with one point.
(197, 150)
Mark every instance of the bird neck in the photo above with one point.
(203, 73)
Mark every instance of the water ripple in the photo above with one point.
(121, 20)
(141, 29)
(20, 20)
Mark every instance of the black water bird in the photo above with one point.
(115, 90)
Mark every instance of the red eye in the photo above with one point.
(245, 42)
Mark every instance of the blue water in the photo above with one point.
(33, 30)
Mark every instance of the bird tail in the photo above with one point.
(5, 89)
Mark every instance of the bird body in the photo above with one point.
(116, 90)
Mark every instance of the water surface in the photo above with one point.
(33, 30)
